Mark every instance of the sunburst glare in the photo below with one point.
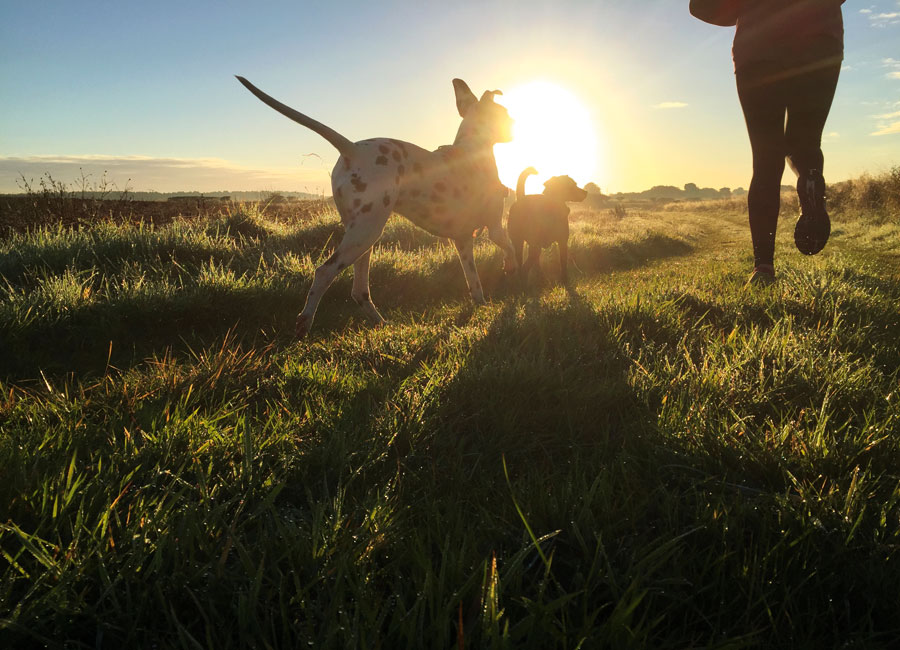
(553, 133)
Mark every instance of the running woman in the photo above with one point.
(787, 59)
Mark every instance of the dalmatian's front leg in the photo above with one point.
(465, 249)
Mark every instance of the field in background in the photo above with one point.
(658, 457)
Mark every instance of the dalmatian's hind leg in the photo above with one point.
(357, 242)
(360, 292)
(500, 238)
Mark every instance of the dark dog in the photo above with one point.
(541, 219)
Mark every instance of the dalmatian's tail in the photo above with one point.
(520, 186)
(339, 142)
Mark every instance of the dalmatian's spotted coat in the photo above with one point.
(452, 192)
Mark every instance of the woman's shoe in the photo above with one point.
(813, 227)
(763, 275)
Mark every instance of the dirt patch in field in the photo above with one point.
(23, 213)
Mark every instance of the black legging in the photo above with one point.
(766, 97)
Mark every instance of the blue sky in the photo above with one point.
(147, 92)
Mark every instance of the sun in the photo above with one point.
(553, 133)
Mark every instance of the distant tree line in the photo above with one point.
(690, 192)
(116, 195)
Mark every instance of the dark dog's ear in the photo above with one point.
(489, 95)
(552, 183)
(465, 98)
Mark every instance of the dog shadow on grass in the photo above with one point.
(553, 411)
(540, 410)
(545, 381)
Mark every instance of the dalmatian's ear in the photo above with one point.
(465, 98)
(489, 95)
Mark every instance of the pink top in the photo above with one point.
(788, 33)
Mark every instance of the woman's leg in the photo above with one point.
(808, 104)
(764, 110)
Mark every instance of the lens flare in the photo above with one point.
(553, 133)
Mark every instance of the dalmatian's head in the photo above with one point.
(484, 121)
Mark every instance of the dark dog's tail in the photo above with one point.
(520, 186)
(338, 141)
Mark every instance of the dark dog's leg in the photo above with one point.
(563, 261)
(534, 260)
(518, 249)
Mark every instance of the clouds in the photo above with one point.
(888, 124)
(881, 19)
(141, 173)
(889, 129)
(893, 67)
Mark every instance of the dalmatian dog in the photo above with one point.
(452, 192)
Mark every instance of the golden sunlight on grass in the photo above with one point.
(553, 133)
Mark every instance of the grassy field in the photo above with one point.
(658, 457)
